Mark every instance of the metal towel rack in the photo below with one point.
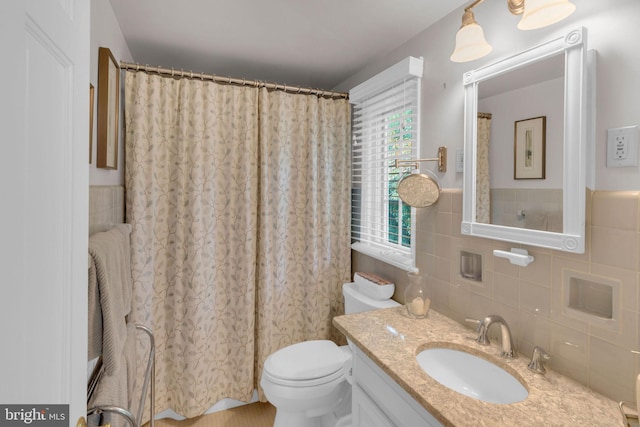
(148, 384)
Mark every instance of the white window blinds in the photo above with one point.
(385, 127)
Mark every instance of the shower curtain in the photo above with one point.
(239, 201)
(483, 190)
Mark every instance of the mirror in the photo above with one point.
(523, 109)
(526, 179)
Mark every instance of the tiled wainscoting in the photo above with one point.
(531, 298)
(106, 207)
(537, 209)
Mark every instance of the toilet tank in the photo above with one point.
(355, 301)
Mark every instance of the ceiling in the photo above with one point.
(308, 43)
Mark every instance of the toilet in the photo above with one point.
(309, 382)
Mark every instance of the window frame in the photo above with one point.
(378, 245)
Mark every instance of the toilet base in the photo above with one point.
(339, 417)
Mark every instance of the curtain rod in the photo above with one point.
(230, 80)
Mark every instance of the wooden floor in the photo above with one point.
(253, 415)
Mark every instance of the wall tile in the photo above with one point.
(456, 201)
(628, 283)
(506, 290)
(616, 209)
(503, 266)
(443, 223)
(442, 246)
(535, 299)
(534, 331)
(480, 307)
(569, 352)
(442, 268)
(625, 335)
(106, 207)
(440, 293)
(445, 201)
(460, 300)
(424, 263)
(484, 288)
(539, 271)
(615, 247)
(456, 220)
(612, 370)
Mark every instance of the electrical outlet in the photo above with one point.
(622, 147)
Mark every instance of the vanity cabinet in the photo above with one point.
(379, 401)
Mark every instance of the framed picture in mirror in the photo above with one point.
(529, 153)
(108, 110)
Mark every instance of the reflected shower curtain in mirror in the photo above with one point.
(238, 242)
(483, 190)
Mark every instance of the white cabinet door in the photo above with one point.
(365, 412)
(44, 113)
(387, 396)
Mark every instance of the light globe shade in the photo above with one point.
(470, 44)
(540, 13)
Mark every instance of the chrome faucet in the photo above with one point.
(537, 360)
(483, 338)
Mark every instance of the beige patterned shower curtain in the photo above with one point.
(239, 201)
(483, 184)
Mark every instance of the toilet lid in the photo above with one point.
(305, 360)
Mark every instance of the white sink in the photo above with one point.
(471, 375)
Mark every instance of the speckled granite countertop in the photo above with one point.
(554, 400)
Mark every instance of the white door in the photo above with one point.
(44, 88)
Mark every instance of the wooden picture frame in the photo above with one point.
(529, 152)
(108, 109)
(91, 103)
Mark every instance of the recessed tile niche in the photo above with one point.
(593, 299)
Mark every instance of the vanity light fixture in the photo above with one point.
(470, 41)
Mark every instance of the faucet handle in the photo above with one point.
(473, 322)
(537, 360)
(481, 329)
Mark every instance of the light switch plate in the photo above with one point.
(622, 147)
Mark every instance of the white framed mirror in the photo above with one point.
(528, 184)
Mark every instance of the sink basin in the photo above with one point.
(471, 375)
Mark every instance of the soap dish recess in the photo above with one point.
(592, 298)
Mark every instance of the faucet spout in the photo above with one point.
(507, 340)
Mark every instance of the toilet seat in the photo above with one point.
(335, 376)
(305, 364)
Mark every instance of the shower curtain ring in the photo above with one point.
(171, 71)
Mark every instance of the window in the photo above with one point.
(385, 127)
